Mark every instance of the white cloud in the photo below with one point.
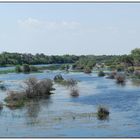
(33, 23)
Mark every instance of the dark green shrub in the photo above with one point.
(101, 74)
(18, 69)
(26, 68)
(130, 69)
(58, 78)
(74, 92)
(2, 87)
(102, 113)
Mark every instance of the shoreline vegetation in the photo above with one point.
(103, 64)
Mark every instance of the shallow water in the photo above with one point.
(64, 116)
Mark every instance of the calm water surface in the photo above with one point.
(64, 116)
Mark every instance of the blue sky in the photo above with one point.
(70, 28)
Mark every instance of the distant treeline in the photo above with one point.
(7, 58)
(79, 62)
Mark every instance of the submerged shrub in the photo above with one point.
(74, 92)
(15, 99)
(71, 82)
(120, 79)
(58, 78)
(2, 87)
(34, 89)
(87, 70)
(102, 113)
(37, 88)
(101, 73)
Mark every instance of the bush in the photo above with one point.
(26, 68)
(120, 79)
(74, 92)
(15, 99)
(34, 89)
(101, 73)
(87, 70)
(2, 87)
(58, 78)
(130, 69)
(102, 113)
(18, 69)
(37, 88)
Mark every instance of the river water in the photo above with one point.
(64, 116)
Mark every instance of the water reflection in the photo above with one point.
(33, 108)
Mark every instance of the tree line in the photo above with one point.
(81, 61)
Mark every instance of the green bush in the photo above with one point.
(26, 68)
(18, 69)
(102, 113)
(101, 74)
(58, 78)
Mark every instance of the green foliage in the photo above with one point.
(58, 78)
(101, 74)
(2, 87)
(136, 55)
(18, 69)
(26, 68)
(102, 113)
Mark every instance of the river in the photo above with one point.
(64, 116)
